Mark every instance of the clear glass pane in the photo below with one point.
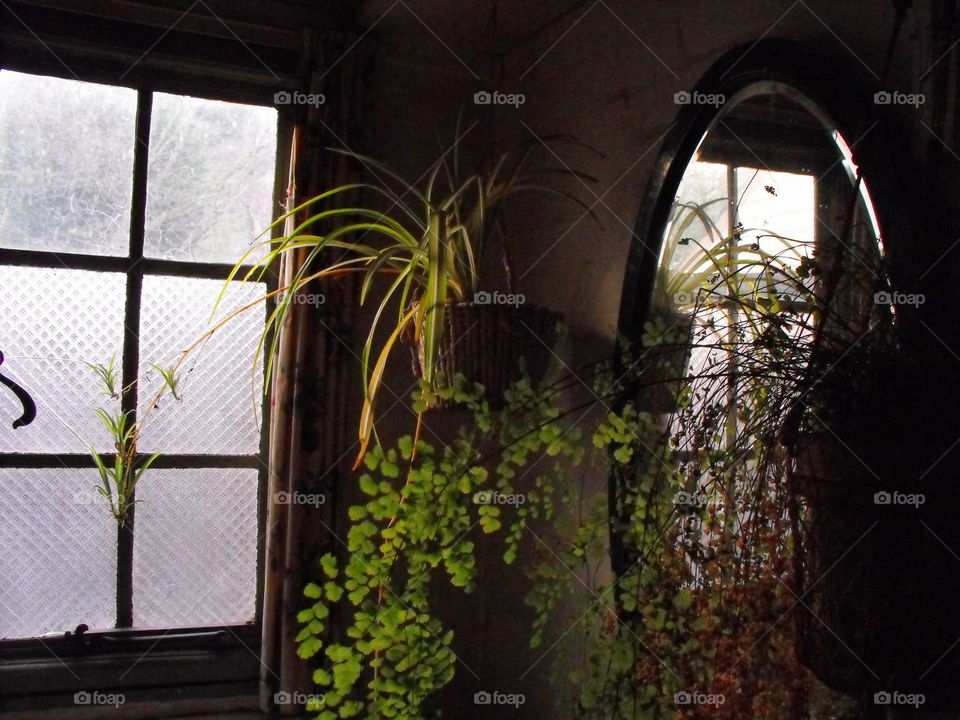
(781, 203)
(66, 164)
(703, 184)
(53, 322)
(195, 550)
(210, 181)
(220, 391)
(58, 553)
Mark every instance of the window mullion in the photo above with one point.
(131, 343)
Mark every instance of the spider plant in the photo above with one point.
(423, 251)
(702, 265)
(108, 375)
(119, 480)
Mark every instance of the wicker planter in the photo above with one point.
(486, 343)
(877, 576)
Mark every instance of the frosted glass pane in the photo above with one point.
(58, 553)
(195, 550)
(221, 396)
(210, 180)
(66, 164)
(51, 323)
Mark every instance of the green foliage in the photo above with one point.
(108, 376)
(427, 249)
(171, 379)
(421, 505)
(119, 479)
(700, 515)
(119, 476)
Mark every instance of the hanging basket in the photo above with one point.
(877, 565)
(491, 344)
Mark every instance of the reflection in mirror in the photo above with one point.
(770, 225)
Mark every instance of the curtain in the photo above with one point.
(315, 370)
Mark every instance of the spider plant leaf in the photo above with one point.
(434, 298)
(373, 388)
(144, 466)
(389, 255)
(387, 170)
(371, 335)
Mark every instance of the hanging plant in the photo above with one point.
(422, 253)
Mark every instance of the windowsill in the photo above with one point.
(234, 707)
(165, 671)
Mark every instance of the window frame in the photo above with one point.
(211, 659)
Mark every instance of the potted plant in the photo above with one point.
(422, 258)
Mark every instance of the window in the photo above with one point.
(122, 212)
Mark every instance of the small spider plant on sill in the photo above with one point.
(421, 257)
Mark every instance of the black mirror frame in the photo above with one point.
(841, 100)
(834, 90)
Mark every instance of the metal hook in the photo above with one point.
(29, 407)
